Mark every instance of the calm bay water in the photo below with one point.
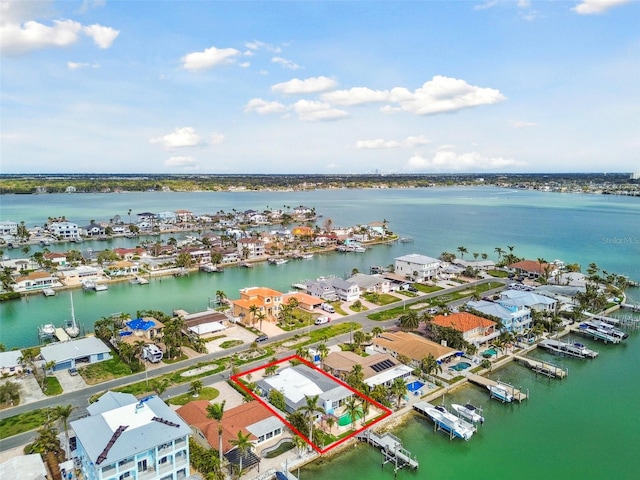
(586, 426)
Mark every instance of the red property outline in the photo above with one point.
(235, 378)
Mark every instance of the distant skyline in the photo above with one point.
(324, 87)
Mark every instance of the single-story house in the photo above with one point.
(302, 381)
(35, 281)
(305, 301)
(9, 363)
(252, 418)
(371, 283)
(146, 329)
(204, 323)
(74, 352)
(377, 369)
(411, 346)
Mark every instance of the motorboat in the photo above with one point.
(605, 328)
(277, 261)
(450, 423)
(500, 392)
(469, 412)
(48, 329)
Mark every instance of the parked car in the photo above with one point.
(322, 320)
(432, 311)
(327, 307)
(73, 371)
(412, 289)
(261, 338)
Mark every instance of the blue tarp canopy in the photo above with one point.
(140, 324)
(459, 354)
(124, 334)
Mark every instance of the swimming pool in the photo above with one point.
(345, 419)
(458, 367)
(491, 352)
(415, 385)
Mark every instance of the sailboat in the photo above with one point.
(70, 326)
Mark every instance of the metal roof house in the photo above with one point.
(70, 354)
(124, 437)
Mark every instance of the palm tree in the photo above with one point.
(220, 296)
(356, 376)
(429, 365)
(215, 411)
(243, 444)
(310, 410)
(160, 385)
(398, 389)
(377, 331)
(253, 309)
(323, 351)
(261, 316)
(499, 251)
(63, 412)
(410, 320)
(462, 251)
(352, 407)
(196, 387)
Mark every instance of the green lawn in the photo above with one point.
(231, 343)
(22, 423)
(207, 393)
(381, 298)
(104, 371)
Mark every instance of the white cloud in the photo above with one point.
(380, 143)
(309, 85)
(180, 137)
(263, 107)
(211, 57)
(317, 111)
(589, 7)
(257, 45)
(444, 94)
(244, 64)
(184, 162)
(102, 36)
(356, 96)
(522, 124)
(486, 5)
(440, 94)
(284, 63)
(448, 160)
(216, 138)
(524, 3)
(16, 39)
(79, 65)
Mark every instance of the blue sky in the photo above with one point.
(319, 87)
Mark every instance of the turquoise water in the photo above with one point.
(586, 426)
(489, 353)
(458, 367)
(415, 385)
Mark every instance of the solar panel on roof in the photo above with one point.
(383, 365)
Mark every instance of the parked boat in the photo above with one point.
(246, 265)
(450, 423)
(277, 261)
(501, 393)
(101, 287)
(569, 349)
(605, 328)
(48, 292)
(210, 268)
(48, 329)
(70, 326)
(88, 285)
(469, 412)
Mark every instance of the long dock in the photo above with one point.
(391, 448)
(487, 382)
(545, 368)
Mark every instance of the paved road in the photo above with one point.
(80, 398)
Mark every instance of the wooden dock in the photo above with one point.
(545, 368)
(486, 382)
(391, 448)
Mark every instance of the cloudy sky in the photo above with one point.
(319, 87)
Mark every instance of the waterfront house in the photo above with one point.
(301, 381)
(184, 215)
(475, 264)
(251, 418)
(8, 229)
(474, 329)
(10, 363)
(515, 319)
(302, 231)
(266, 300)
(250, 248)
(129, 253)
(532, 300)
(74, 276)
(74, 353)
(227, 255)
(305, 301)
(64, 230)
(35, 281)
(123, 268)
(199, 256)
(325, 240)
(147, 329)
(124, 437)
(204, 323)
(167, 217)
(412, 346)
(377, 369)
(345, 290)
(93, 230)
(147, 217)
(371, 283)
(417, 267)
(321, 288)
(533, 269)
(56, 258)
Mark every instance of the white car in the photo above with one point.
(322, 320)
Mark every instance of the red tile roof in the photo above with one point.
(463, 321)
